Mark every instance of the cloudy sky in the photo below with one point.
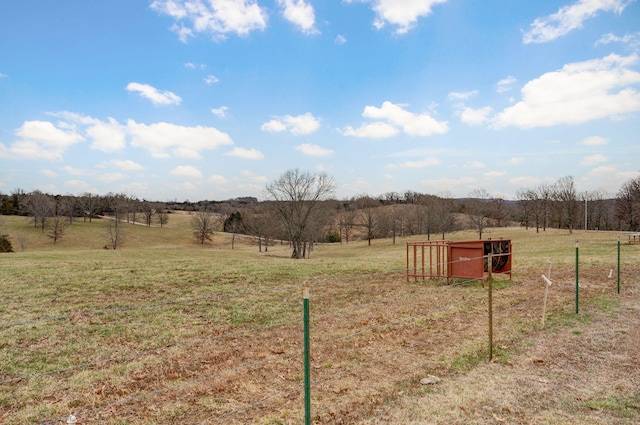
(212, 99)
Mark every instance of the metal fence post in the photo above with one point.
(307, 373)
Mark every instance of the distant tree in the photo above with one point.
(163, 216)
(479, 208)
(233, 224)
(262, 224)
(368, 216)
(39, 206)
(56, 226)
(114, 231)
(444, 213)
(347, 220)
(628, 204)
(5, 243)
(566, 196)
(87, 203)
(203, 225)
(296, 196)
(148, 212)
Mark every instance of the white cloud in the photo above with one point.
(216, 18)
(473, 164)
(607, 177)
(423, 163)
(569, 18)
(492, 174)
(111, 177)
(186, 171)
(211, 79)
(313, 150)
(40, 140)
(402, 14)
(516, 160)
(579, 92)
(220, 112)
(273, 126)
(157, 97)
(505, 84)
(340, 39)
(524, 181)
(593, 159)
(459, 185)
(376, 130)
(251, 176)
(297, 125)
(127, 165)
(79, 186)
(107, 137)
(456, 95)
(217, 179)
(397, 119)
(245, 153)
(184, 142)
(632, 40)
(3, 75)
(594, 141)
(299, 13)
(74, 171)
(473, 116)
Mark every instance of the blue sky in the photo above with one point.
(212, 99)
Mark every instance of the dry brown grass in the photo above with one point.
(206, 335)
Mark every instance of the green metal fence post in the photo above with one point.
(618, 264)
(307, 373)
(577, 284)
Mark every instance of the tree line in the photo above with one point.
(300, 208)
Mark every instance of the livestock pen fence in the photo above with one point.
(344, 347)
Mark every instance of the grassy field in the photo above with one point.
(165, 330)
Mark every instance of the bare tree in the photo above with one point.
(87, 203)
(478, 208)
(566, 195)
(628, 204)
(148, 212)
(347, 220)
(162, 215)
(261, 224)
(40, 206)
(56, 227)
(367, 207)
(297, 195)
(203, 225)
(114, 231)
(444, 213)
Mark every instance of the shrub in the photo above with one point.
(5, 244)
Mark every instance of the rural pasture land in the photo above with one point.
(167, 331)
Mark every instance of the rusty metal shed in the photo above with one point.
(458, 259)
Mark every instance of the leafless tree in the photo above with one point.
(368, 216)
(478, 208)
(347, 220)
(57, 225)
(148, 211)
(162, 215)
(628, 204)
(114, 231)
(296, 196)
(262, 224)
(444, 213)
(87, 202)
(40, 206)
(566, 196)
(203, 225)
